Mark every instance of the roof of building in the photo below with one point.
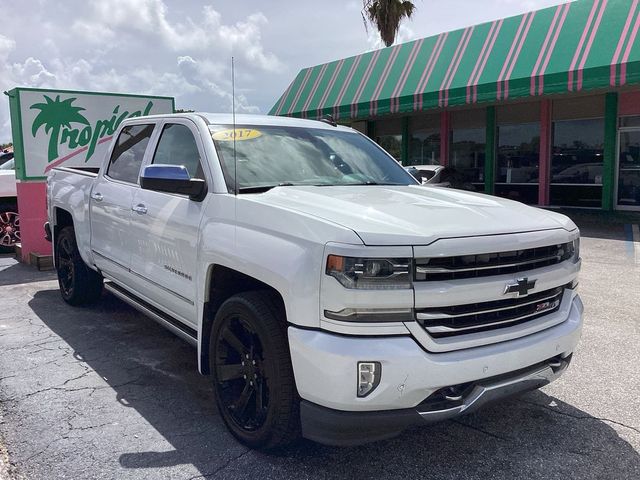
(577, 46)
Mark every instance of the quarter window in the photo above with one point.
(177, 146)
(128, 153)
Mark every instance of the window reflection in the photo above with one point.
(629, 168)
(518, 162)
(467, 153)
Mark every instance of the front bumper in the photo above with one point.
(325, 367)
(336, 427)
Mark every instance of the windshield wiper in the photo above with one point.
(263, 188)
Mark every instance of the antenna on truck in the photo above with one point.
(233, 120)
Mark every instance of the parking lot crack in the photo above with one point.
(225, 465)
(582, 417)
(477, 429)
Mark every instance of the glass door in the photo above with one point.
(629, 168)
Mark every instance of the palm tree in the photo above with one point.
(386, 16)
(55, 114)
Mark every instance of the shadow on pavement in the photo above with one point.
(13, 272)
(536, 436)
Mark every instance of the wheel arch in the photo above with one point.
(221, 284)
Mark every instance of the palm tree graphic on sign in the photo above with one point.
(54, 115)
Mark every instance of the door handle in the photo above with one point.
(139, 209)
(97, 196)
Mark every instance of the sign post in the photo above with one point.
(60, 127)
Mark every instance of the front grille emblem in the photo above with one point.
(521, 287)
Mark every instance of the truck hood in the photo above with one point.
(413, 215)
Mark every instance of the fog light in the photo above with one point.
(369, 374)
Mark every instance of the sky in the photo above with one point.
(183, 48)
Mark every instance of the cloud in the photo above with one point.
(137, 46)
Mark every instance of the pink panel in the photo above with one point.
(33, 214)
(545, 152)
(629, 103)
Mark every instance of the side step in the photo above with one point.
(176, 326)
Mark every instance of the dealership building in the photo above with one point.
(543, 107)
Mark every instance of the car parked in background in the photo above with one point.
(5, 157)
(9, 218)
(440, 176)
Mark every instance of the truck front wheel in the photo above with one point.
(252, 372)
(79, 285)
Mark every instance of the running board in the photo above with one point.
(176, 326)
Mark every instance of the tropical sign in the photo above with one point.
(53, 128)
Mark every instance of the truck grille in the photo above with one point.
(443, 322)
(489, 264)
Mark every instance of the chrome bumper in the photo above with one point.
(347, 428)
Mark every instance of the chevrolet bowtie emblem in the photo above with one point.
(521, 287)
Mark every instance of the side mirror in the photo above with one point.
(172, 179)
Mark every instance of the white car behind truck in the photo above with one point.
(329, 294)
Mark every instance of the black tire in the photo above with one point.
(248, 339)
(9, 227)
(79, 285)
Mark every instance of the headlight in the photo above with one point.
(370, 273)
(576, 250)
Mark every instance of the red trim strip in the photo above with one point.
(583, 37)
(395, 101)
(363, 82)
(484, 62)
(517, 55)
(551, 49)
(73, 154)
(544, 50)
(593, 34)
(314, 89)
(373, 105)
(429, 67)
(623, 37)
(299, 92)
(443, 96)
(352, 71)
(627, 52)
(507, 61)
(332, 82)
(481, 57)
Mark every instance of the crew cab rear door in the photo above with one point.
(164, 226)
(112, 198)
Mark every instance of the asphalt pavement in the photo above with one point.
(105, 393)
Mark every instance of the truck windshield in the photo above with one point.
(269, 156)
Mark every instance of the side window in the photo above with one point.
(128, 153)
(178, 147)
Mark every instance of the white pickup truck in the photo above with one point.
(328, 293)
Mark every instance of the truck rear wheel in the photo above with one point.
(252, 373)
(79, 285)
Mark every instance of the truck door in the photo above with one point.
(164, 227)
(111, 201)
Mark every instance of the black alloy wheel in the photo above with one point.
(252, 374)
(79, 284)
(240, 374)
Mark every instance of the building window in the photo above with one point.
(468, 138)
(576, 163)
(388, 134)
(577, 152)
(424, 140)
(629, 168)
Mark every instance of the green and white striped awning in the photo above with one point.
(572, 47)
